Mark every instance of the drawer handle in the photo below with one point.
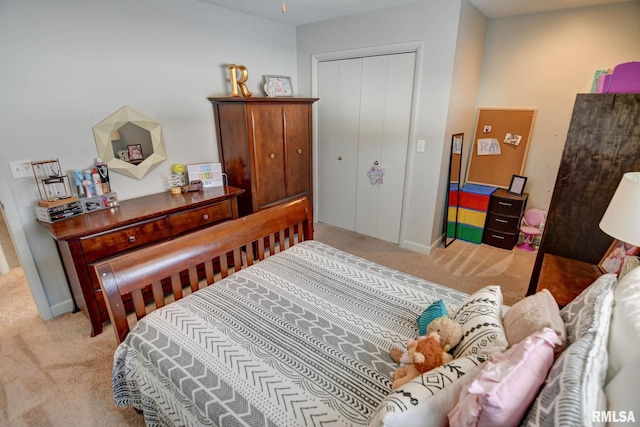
(272, 156)
(504, 221)
(132, 239)
(205, 217)
(497, 237)
(299, 150)
(505, 204)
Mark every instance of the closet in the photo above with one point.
(265, 148)
(363, 135)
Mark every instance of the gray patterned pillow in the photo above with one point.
(573, 389)
(481, 319)
(406, 405)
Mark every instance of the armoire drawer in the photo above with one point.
(122, 239)
(190, 220)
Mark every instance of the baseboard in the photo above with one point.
(63, 307)
(417, 247)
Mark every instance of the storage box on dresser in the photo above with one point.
(265, 148)
(84, 240)
(472, 212)
(502, 227)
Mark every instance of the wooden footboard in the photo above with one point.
(198, 259)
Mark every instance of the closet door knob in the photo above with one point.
(273, 156)
(375, 163)
(299, 150)
(339, 157)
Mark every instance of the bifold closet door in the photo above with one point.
(338, 124)
(363, 122)
(385, 112)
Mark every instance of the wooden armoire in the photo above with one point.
(265, 148)
(602, 144)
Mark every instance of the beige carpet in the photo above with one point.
(53, 374)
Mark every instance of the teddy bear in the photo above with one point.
(450, 333)
(449, 330)
(425, 353)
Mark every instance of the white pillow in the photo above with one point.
(408, 404)
(624, 335)
(481, 319)
(622, 393)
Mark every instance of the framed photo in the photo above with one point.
(276, 86)
(135, 152)
(613, 259)
(517, 185)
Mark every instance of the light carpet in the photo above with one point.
(53, 374)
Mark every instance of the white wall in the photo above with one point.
(542, 61)
(68, 64)
(434, 24)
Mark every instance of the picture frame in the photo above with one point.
(613, 259)
(517, 185)
(278, 86)
(135, 153)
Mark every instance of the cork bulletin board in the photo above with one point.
(500, 145)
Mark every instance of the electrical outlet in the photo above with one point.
(21, 169)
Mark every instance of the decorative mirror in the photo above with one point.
(130, 143)
(453, 189)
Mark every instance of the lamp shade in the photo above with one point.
(622, 217)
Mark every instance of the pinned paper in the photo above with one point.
(488, 146)
(512, 139)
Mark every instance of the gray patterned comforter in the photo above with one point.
(299, 339)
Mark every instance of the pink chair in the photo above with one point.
(532, 224)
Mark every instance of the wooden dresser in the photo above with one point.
(265, 148)
(502, 227)
(84, 240)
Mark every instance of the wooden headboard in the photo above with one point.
(198, 259)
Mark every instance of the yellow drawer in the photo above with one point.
(471, 217)
(451, 216)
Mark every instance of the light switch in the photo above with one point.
(420, 147)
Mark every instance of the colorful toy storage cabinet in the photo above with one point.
(472, 211)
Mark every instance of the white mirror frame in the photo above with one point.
(102, 134)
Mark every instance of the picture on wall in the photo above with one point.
(613, 259)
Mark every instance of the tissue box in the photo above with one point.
(102, 201)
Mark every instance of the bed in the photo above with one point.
(272, 328)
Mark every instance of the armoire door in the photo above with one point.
(364, 122)
(268, 143)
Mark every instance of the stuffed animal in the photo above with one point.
(426, 353)
(449, 330)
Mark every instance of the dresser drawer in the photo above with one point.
(186, 221)
(499, 239)
(106, 244)
(502, 223)
(502, 206)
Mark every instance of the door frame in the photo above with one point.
(416, 47)
(14, 224)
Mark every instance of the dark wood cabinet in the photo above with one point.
(265, 148)
(86, 239)
(602, 144)
(502, 226)
(566, 278)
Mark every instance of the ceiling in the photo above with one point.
(300, 12)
